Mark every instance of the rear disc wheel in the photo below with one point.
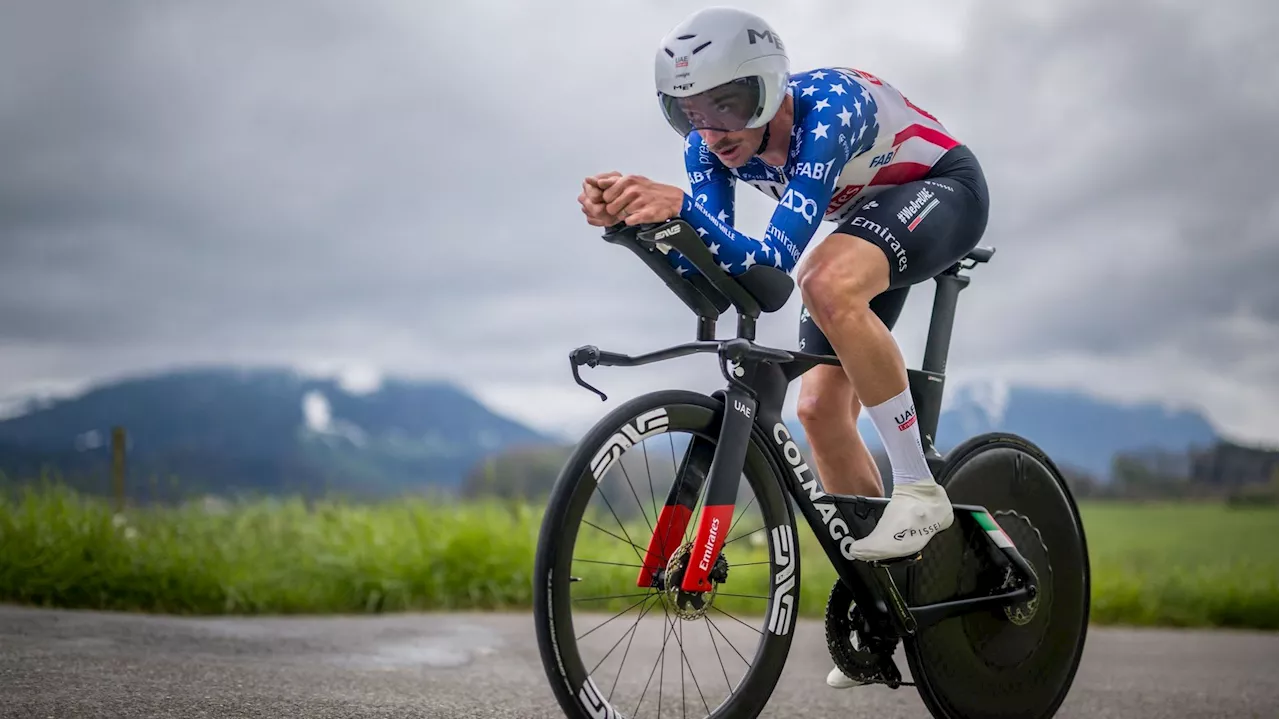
(1020, 660)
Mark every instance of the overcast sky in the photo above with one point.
(389, 187)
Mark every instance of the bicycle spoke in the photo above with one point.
(627, 651)
(623, 528)
(740, 516)
(611, 596)
(680, 641)
(653, 500)
(748, 626)
(637, 566)
(744, 596)
(728, 641)
(615, 644)
(712, 637)
(740, 536)
(610, 619)
(685, 658)
(651, 671)
(633, 494)
(611, 534)
(663, 658)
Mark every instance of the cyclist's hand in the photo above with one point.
(638, 200)
(592, 199)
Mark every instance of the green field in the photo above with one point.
(1159, 564)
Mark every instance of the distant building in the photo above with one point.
(1231, 465)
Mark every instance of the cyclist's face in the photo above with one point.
(727, 106)
(734, 149)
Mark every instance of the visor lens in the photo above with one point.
(726, 108)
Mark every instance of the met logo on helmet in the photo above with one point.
(753, 35)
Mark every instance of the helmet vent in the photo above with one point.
(700, 47)
(668, 51)
(686, 37)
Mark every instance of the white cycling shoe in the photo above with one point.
(916, 511)
(838, 680)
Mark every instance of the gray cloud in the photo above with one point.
(394, 185)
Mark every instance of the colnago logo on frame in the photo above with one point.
(598, 708)
(785, 580)
(646, 425)
(835, 525)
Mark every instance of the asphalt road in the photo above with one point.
(59, 664)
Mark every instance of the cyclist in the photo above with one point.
(835, 144)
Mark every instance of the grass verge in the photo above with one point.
(1159, 564)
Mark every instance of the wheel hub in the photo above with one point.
(691, 605)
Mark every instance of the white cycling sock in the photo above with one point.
(895, 421)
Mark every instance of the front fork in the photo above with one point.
(726, 462)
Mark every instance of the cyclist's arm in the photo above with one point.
(710, 187)
(710, 182)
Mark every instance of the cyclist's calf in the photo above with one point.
(828, 408)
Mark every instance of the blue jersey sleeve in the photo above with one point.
(824, 139)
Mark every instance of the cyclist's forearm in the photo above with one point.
(735, 251)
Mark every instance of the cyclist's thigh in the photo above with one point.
(927, 225)
(887, 306)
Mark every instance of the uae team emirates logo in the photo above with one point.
(906, 419)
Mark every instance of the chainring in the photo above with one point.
(860, 655)
(1027, 538)
(1020, 627)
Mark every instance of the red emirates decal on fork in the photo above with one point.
(712, 528)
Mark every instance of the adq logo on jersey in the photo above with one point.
(796, 202)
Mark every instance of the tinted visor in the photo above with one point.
(727, 108)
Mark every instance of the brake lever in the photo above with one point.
(590, 356)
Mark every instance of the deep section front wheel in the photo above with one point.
(1015, 661)
(617, 635)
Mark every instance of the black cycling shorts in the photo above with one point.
(923, 227)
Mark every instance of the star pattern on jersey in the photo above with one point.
(834, 121)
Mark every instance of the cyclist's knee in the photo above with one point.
(844, 272)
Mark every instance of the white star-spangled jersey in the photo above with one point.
(853, 136)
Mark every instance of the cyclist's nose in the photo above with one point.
(711, 137)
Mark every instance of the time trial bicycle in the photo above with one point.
(991, 616)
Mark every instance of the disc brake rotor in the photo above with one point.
(691, 605)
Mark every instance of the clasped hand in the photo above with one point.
(611, 197)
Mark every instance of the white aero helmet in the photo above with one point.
(721, 69)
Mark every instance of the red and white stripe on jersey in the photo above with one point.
(915, 137)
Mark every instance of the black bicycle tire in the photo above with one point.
(956, 458)
(756, 686)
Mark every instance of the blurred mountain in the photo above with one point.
(1074, 429)
(265, 430)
